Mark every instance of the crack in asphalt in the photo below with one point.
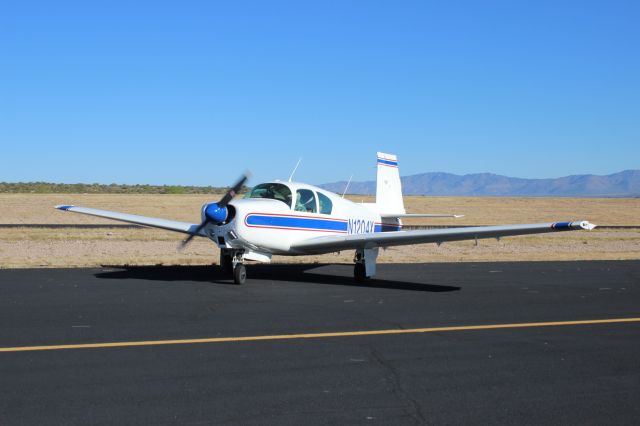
(397, 388)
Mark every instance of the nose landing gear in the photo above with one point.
(231, 263)
(239, 274)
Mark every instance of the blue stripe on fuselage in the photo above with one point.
(315, 224)
(296, 222)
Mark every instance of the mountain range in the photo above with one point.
(622, 184)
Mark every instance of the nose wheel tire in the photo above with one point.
(239, 274)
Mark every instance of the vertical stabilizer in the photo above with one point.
(388, 188)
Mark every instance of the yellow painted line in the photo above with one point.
(317, 335)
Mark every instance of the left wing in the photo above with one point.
(397, 238)
(170, 225)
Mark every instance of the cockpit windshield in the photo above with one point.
(274, 191)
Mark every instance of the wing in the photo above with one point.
(171, 225)
(397, 238)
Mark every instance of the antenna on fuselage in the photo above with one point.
(295, 168)
(347, 187)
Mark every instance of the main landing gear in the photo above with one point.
(365, 264)
(360, 272)
(231, 263)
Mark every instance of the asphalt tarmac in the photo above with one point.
(250, 370)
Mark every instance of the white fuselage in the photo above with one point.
(271, 226)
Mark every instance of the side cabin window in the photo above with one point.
(274, 191)
(325, 203)
(305, 201)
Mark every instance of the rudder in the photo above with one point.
(388, 186)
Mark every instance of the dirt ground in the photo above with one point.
(35, 247)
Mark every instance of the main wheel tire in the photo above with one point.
(360, 272)
(239, 274)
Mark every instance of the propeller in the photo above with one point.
(217, 212)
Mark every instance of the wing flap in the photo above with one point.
(397, 238)
(170, 225)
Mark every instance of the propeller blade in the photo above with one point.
(233, 191)
(195, 232)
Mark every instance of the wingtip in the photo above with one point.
(63, 206)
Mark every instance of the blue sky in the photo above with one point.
(196, 92)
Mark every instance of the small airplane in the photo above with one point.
(294, 219)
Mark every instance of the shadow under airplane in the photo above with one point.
(299, 273)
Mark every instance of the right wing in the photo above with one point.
(170, 225)
(327, 244)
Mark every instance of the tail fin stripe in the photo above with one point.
(384, 162)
